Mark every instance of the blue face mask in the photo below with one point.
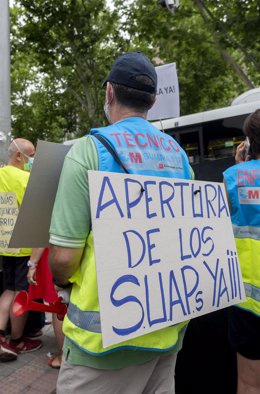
(28, 166)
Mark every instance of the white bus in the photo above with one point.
(210, 138)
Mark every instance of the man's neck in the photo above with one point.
(13, 163)
(124, 113)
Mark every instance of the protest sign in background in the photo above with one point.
(8, 216)
(165, 252)
(33, 222)
(167, 104)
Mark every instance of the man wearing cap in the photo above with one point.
(144, 364)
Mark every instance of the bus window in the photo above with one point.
(221, 137)
(210, 138)
(190, 143)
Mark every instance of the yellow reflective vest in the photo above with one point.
(14, 180)
(82, 322)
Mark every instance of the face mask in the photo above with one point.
(28, 166)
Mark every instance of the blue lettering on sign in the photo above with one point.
(101, 206)
(151, 246)
(189, 292)
(161, 296)
(214, 276)
(215, 201)
(220, 287)
(234, 276)
(199, 300)
(133, 234)
(197, 242)
(208, 202)
(148, 199)
(126, 235)
(122, 280)
(181, 185)
(195, 197)
(221, 202)
(170, 294)
(178, 300)
(131, 204)
(147, 296)
(208, 239)
(238, 277)
(166, 200)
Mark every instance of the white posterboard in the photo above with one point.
(8, 216)
(163, 255)
(167, 104)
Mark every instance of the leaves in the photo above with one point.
(62, 51)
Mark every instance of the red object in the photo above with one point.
(22, 304)
(25, 345)
(55, 361)
(44, 288)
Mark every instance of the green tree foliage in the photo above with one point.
(209, 72)
(62, 51)
(238, 25)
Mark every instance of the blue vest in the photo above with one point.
(243, 187)
(142, 149)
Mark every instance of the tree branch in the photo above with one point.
(228, 58)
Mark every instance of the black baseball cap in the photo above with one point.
(129, 66)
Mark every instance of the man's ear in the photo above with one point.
(154, 99)
(109, 93)
(18, 156)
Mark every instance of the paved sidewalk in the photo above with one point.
(30, 373)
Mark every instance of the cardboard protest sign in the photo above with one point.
(167, 104)
(8, 216)
(33, 222)
(165, 252)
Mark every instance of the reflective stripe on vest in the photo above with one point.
(252, 291)
(246, 232)
(86, 320)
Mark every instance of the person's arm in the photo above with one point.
(63, 263)
(32, 264)
(71, 222)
